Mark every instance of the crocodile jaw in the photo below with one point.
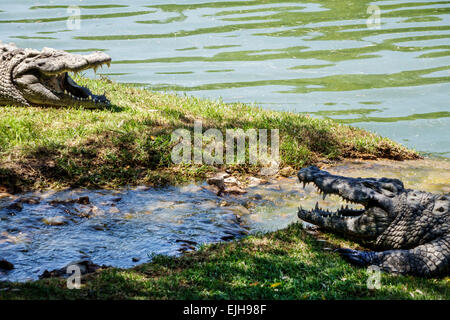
(366, 223)
(43, 78)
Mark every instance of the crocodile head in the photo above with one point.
(376, 197)
(413, 227)
(390, 215)
(42, 77)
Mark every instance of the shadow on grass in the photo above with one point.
(115, 108)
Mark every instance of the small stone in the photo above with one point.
(55, 221)
(135, 259)
(6, 265)
(234, 190)
(83, 200)
(213, 189)
(186, 247)
(254, 182)
(286, 172)
(187, 241)
(216, 181)
(240, 210)
(16, 206)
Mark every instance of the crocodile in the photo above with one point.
(407, 230)
(30, 77)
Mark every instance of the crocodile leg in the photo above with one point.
(431, 259)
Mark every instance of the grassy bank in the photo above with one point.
(286, 264)
(129, 143)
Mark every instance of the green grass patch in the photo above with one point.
(286, 264)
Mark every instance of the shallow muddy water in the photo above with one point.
(123, 228)
(318, 56)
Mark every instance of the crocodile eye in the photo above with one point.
(389, 187)
(439, 210)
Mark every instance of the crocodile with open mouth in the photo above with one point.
(410, 229)
(30, 77)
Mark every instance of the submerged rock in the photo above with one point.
(55, 221)
(81, 200)
(187, 241)
(228, 238)
(86, 266)
(15, 206)
(30, 200)
(6, 265)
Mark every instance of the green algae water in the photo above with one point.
(379, 65)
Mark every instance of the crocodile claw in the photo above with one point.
(359, 258)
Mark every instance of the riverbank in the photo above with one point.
(292, 263)
(130, 142)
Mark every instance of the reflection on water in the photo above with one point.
(122, 228)
(313, 56)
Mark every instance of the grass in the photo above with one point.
(130, 142)
(286, 264)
